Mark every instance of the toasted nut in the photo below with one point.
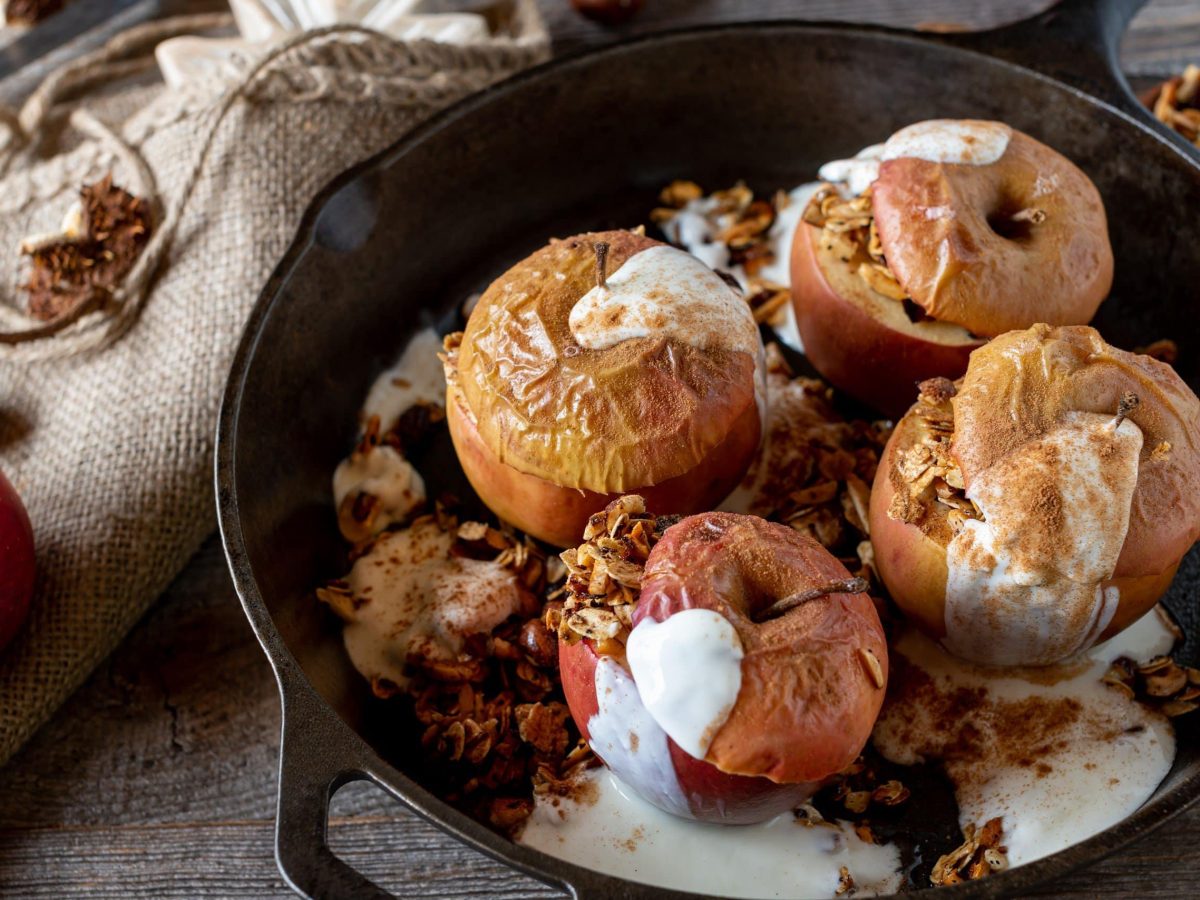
(873, 666)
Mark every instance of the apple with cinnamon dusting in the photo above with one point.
(1044, 502)
(919, 249)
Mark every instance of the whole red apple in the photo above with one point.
(16, 562)
(752, 673)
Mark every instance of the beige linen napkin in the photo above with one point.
(107, 425)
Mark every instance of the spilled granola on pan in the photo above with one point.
(979, 855)
(1176, 103)
(740, 224)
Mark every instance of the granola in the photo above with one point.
(604, 575)
(1176, 103)
(857, 788)
(740, 223)
(848, 229)
(1161, 684)
(80, 269)
(816, 468)
(930, 491)
(979, 855)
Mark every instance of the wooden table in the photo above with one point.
(157, 779)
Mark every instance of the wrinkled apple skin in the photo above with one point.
(712, 795)
(801, 675)
(913, 565)
(16, 562)
(557, 514)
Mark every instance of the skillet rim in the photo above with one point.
(363, 761)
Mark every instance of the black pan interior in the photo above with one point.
(587, 145)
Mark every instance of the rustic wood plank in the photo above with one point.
(157, 779)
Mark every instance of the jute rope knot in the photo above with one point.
(338, 62)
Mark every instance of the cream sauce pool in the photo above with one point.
(1056, 753)
(612, 830)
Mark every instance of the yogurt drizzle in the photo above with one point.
(1025, 583)
(688, 671)
(662, 291)
(956, 141)
(382, 472)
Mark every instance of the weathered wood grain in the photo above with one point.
(157, 778)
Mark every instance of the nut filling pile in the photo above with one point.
(688, 589)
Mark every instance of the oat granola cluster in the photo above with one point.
(848, 230)
(979, 855)
(1161, 683)
(743, 224)
(1176, 103)
(494, 729)
(80, 269)
(928, 472)
(604, 575)
(818, 467)
(857, 788)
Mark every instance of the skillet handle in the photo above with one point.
(1074, 41)
(308, 778)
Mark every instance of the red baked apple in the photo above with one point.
(848, 329)
(16, 562)
(960, 230)
(754, 671)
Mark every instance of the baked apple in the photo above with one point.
(1043, 503)
(16, 562)
(747, 669)
(950, 233)
(603, 364)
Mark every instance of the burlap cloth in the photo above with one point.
(107, 427)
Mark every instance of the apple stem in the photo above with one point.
(601, 248)
(1128, 403)
(790, 602)
(1031, 214)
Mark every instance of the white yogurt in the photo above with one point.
(688, 671)
(631, 743)
(956, 141)
(417, 377)
(412, 599)
(694, 228)
(1024, 586)
(855, 174)
(1104, 753)
(960, 141)
(664, 291)
(384, 474)
(615, 832)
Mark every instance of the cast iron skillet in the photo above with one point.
(585, 143)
